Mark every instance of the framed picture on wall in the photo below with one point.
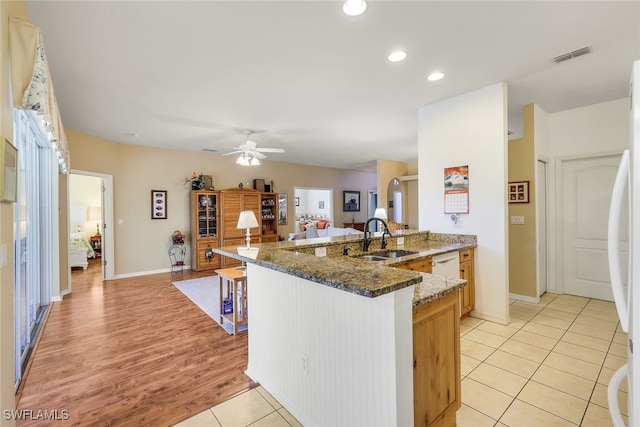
(158, 204)
(9, 171)
(518, 192)
(351, 201)
(282, 208)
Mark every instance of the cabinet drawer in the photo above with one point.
(466, 255)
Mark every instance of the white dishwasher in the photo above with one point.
(447, 265)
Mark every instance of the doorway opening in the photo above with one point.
(90, 219)
(312, 204)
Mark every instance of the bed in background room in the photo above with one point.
(80, 249)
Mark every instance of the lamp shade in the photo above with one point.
(95, 213)
(380, 213)
(247, 219)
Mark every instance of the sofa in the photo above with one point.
(312, 232)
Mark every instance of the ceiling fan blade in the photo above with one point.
(270, 150)
(258, 155)
(233, 152)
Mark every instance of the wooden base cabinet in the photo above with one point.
(436, 362)
(468, 293)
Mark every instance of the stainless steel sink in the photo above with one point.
(384, 255)
(372, 258)
(395, 253)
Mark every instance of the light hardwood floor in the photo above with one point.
(133, 352)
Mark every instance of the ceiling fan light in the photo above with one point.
(354, 7)
(255, 162)
(242, 160)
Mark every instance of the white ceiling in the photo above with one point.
(311, 80)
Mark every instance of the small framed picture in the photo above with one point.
(158, 204)
(518, 192)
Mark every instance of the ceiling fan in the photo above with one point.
(250, 154)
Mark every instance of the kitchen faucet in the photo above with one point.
(367, 237)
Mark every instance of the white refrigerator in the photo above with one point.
(626, 284)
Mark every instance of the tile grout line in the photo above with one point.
(550, 351)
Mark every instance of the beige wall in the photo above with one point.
(523, 238)
(141, 244)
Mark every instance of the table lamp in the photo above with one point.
(95, 214)
(380, 213)
(247, 220)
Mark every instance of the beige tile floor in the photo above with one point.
(549, 367)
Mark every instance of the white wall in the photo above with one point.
(470, 129)
(592, 130)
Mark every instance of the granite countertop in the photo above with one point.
(351, 274)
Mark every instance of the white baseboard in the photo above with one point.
(58, 298)
(518, 297)
(145, 273)
(493, 319)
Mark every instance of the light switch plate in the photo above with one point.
(400, 241)
(517, 219)
(321, 251)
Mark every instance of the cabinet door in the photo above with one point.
(234, 202)
(203, 261)
(466, 299)
(231, 208)
(468, 293)
(436, 362)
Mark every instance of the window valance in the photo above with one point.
(32, 86)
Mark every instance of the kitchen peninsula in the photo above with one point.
(340, 340)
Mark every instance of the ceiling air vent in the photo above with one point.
(572, 54)
(211, 150)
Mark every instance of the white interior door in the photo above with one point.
(586, 193)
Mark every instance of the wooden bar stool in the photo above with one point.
(233, 282)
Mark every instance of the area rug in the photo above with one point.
(205, 293)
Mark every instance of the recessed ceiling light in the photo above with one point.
(397, 56)
(354, 7)
(435, 76)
